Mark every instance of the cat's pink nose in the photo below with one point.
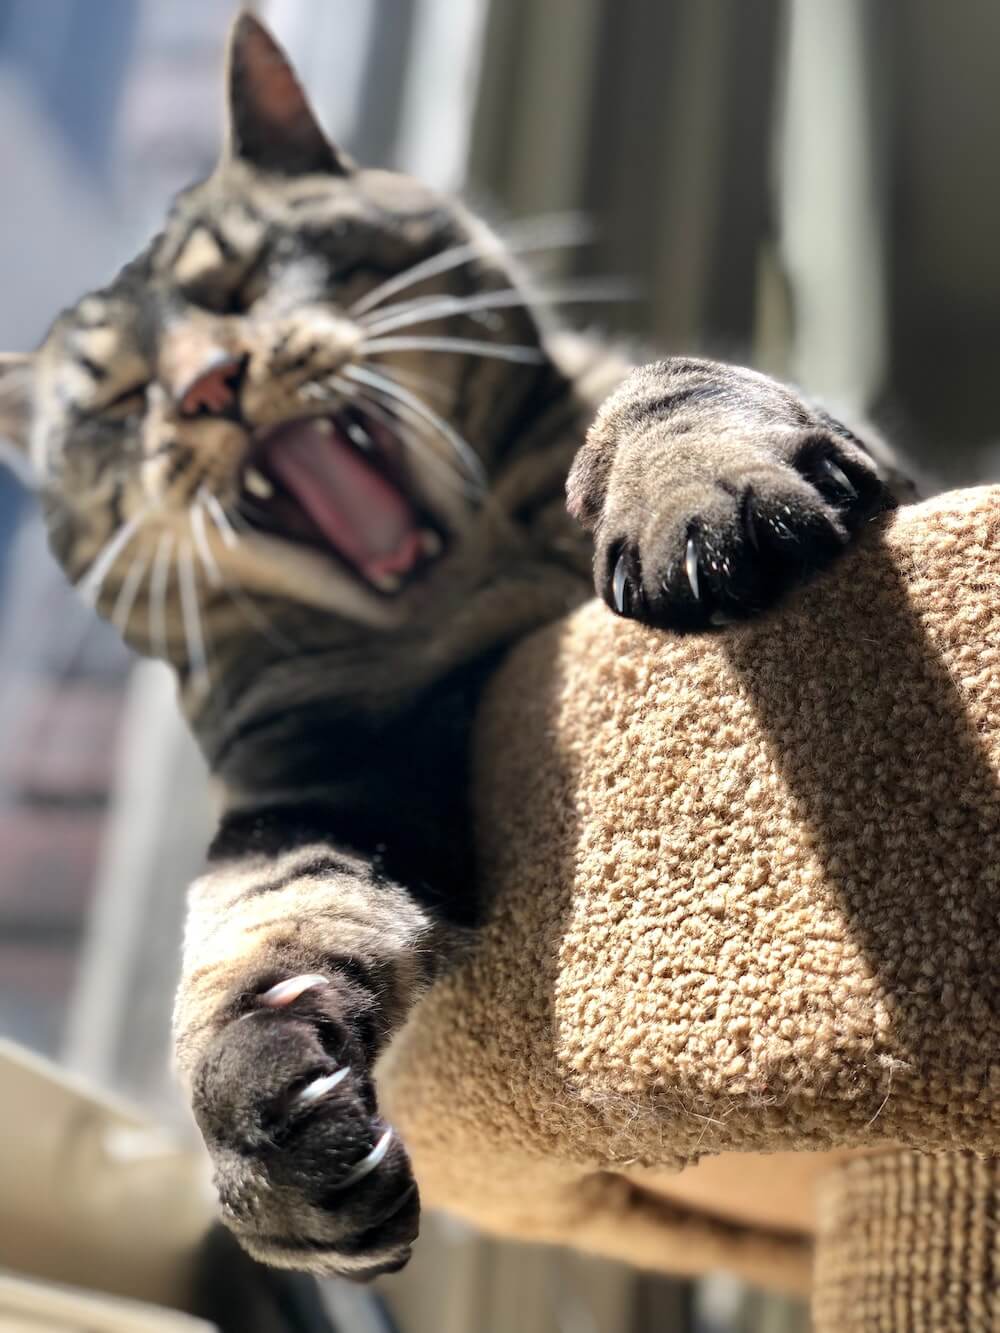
(215, 391)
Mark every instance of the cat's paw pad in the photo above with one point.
(718, 551)
(308, 1174)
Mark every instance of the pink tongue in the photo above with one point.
(365, 517)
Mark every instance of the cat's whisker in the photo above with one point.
(199, 534)
(219, 517)
(230, 584)
(92, 582)
(159, 586)
(254, 617)
(191, 615)
(520, 353)
(353, 392)
(419, 312)
(121, 615)
(383, 383)
(233, 589)
(558, 231)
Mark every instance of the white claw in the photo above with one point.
(387, 582)
(257, 484)
(367, 1164)
(839, 476)
(319, 1087)
(619, 584)
(691, 565)
(285, 992)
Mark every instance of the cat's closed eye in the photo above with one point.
(228, 294)
(128, 403)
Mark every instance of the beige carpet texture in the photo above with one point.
(744, 900)
(909, 1240)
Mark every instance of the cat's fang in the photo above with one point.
(257, 484)
(359, 436)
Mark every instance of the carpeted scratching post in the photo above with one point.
(744, 922)
(909, 1240)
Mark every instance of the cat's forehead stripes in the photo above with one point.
(194, 246)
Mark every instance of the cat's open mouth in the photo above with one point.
(338, 482)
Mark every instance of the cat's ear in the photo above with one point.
(16, 390)
(271, 124)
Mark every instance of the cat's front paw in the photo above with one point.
(711, 491)
(724, 549)
(308, 1175)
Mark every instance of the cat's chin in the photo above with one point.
(272, 570)
(337, 485)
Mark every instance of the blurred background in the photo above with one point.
(810, 186)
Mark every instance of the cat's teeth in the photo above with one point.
(359, 436)
(387, 582)
(319, 1087)
(431, 543)
(257, 484)
(323, 425)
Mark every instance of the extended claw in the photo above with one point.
(619, 585)
(285, 992)
(367, 1164)
(691, 566)
(839, 478)
(319, 1087)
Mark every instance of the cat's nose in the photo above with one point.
(215, 390)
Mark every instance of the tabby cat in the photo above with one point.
(312, 448)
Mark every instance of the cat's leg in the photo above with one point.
(711, 489)
(298, 966)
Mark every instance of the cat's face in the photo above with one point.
(270, 402)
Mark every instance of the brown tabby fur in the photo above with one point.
(333, 715)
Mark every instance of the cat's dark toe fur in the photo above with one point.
(308, 1175)
(711, 491)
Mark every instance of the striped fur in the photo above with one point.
(335, 718)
